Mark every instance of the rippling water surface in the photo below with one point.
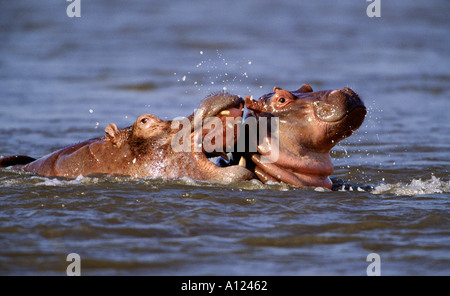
(62, 80)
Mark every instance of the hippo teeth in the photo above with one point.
(225, 112)
(242, 162)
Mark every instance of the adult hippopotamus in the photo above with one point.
(151, 148)
(310, 124)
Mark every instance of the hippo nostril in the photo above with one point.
(348, 91)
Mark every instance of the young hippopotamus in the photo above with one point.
(310, 124)
(152, 148)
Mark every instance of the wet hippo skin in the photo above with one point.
(146, 149)
(310, 124)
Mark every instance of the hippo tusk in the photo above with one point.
(242, 162)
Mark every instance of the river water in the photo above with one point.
(63, 80)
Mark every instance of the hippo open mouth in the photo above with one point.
(219, 129)
(217, 125)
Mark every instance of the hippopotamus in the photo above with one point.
(310, 124)
(151, 148)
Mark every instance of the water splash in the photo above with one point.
(416, 187)
(214, 72)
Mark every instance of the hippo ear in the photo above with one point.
(276, 88)
(305, 88)
(113, 135)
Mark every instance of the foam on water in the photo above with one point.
(416, 187)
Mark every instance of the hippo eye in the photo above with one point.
(144, 120)
(282, 100)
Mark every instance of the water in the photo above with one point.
(63, 80)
